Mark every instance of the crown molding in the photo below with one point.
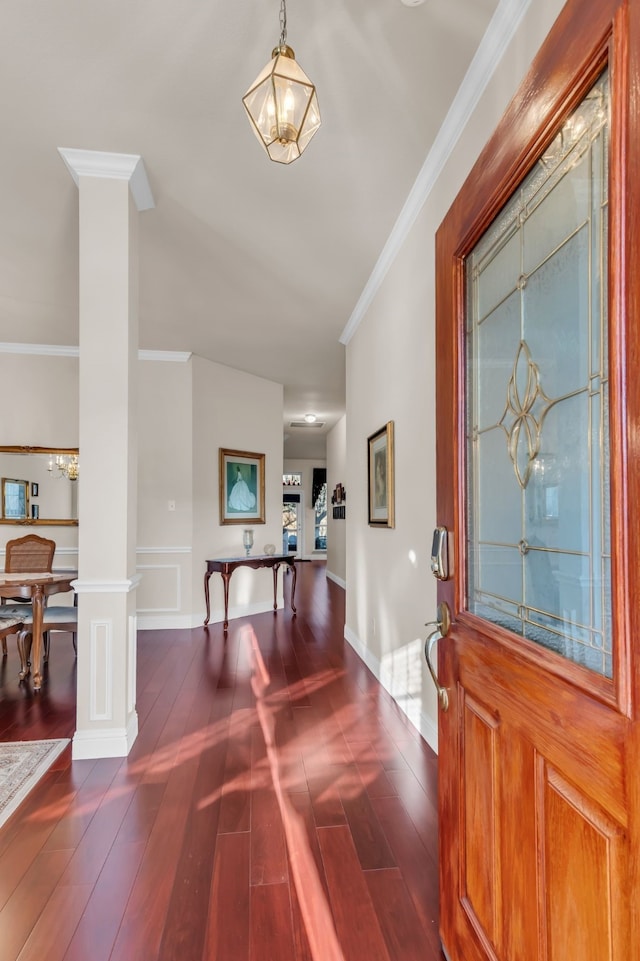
(175, 356)
(498, 35)
(113, 166)
(50, 350)
(58, 350)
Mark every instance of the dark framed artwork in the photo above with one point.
(381, 477)
(241, 487)
(34, 489)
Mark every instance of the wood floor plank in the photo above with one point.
(228, 918)
(235, 805)
(20, 914)
(268, 847)
(324, 789)
(27, 843)
(271, 930)
(371, 770)
(143, 922)
(56, 925)
(183, 935)
(368, 837)
(355, 918)
(98, 927)
(419, 872)
(73, 824)
(403, 932)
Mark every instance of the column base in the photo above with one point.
(105, 742)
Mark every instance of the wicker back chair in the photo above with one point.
(29, 555)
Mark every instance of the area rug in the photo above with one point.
(22, 764)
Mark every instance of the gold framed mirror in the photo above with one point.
(39, 485)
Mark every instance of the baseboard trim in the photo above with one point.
(337, 580)
(408, 704)
(181, 622)
(105, 742)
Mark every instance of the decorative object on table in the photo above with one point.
(247, 540)
(269, 549)
(281, 103)
(22, 764)
(241, 487)
(381, 477)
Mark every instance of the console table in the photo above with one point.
(227, 565)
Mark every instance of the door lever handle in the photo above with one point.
(442, 626)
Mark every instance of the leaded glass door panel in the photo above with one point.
(537, 376)
(538, 471)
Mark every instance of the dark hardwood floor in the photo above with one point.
(276, 806)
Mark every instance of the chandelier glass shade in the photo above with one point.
(282, 104)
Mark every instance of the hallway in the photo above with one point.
(276, 806)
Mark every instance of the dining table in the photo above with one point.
(36, 586)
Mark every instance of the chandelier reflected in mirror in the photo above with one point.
(282, 104)
(66, 464)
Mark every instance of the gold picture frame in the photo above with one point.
(241, 475)
(381, 477)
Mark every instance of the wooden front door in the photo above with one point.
(538, 348)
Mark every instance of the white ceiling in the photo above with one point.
(249, 263)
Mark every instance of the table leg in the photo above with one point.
(293, 585)
(206, 596)
(36, 649)
(275, 586)
(225, 580)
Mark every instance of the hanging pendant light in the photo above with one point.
(282, 104)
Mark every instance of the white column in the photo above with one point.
(112, 189)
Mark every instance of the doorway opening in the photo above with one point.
(292, 522)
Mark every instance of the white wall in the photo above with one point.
(236, 411)
(165, 469)
(390, 590)
(337, 529)
(40, 395)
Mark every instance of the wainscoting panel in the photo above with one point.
(101, 693)
(163, 598)
(160, 589)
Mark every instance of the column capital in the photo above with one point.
(115, 166)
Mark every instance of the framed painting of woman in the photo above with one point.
(241, 487)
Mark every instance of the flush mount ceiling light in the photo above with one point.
(310, 418)
(282, 104)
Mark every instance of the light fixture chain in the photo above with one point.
(283, 23)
